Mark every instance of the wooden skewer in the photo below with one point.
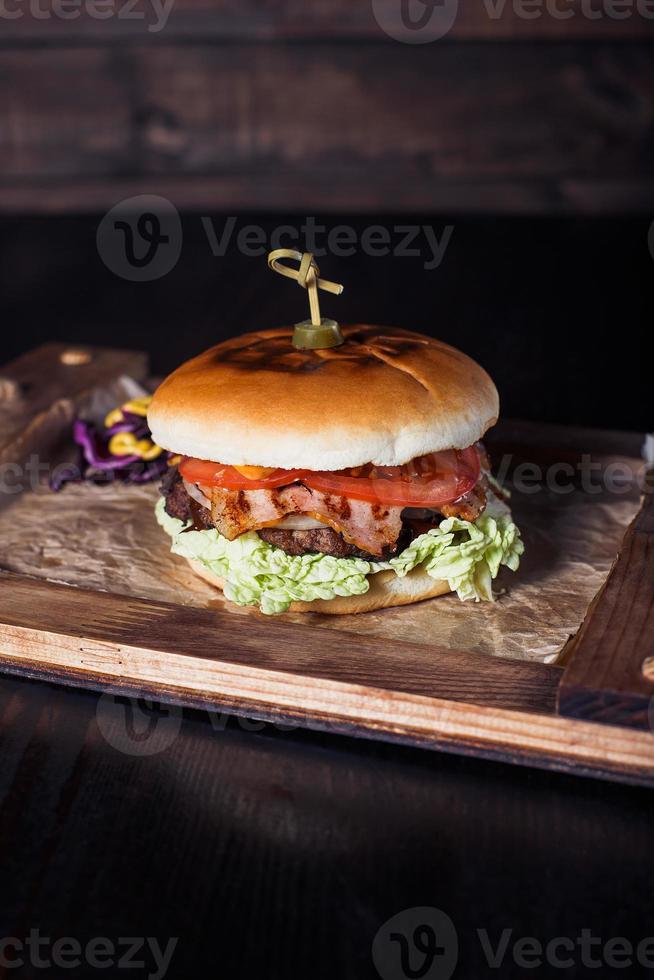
(307, 275)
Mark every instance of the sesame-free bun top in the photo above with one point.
(384, 396)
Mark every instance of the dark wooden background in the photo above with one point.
(534, 138)
(279, 855)
(242, 104)
(558, 310)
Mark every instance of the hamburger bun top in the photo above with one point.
(384, 396)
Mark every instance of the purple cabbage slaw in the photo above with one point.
(98, 465)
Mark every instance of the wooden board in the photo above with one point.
(40, 392)
(609, 677)
(446, 699)
(223, 127)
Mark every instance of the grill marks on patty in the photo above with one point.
(180, 505)
(323, 540)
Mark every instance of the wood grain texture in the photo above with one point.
(45, 392)
(310, 192)
(574, 135)
(211, 653)
(442, 699)
(606, 678)
(296, 20)
(307, 842)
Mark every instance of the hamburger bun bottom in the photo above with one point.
(386, 589)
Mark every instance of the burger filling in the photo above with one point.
(303, 519)
(277, 536)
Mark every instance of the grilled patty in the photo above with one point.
(323, 540)
(180, 505)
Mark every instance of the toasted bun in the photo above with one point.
(384, 396)
(386, 589)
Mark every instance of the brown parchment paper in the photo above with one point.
(106, 538)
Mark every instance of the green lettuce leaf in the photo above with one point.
(468, 555)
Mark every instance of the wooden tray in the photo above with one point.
(591, 716)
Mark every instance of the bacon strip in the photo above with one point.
(470, 505)
(370, 527)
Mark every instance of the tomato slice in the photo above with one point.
(220, 475)
(427, 481)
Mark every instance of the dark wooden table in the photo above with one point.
(275, 854)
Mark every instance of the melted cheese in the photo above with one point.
(298, 522)
(255, 472)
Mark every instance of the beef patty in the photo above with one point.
(320, 539)
(324, 540)
(180, 505)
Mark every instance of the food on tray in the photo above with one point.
(340, 479)
(121, 449)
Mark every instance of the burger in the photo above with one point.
(337, 480)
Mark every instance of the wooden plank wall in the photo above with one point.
(241, 104)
